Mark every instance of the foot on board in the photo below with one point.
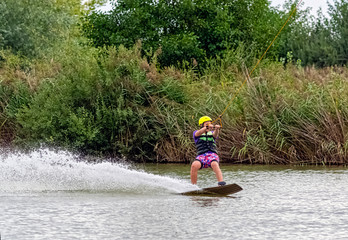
(222, 183)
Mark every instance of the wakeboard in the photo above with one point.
(215, 191)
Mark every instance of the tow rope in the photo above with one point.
(249, 74)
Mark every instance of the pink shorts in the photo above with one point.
(207, 158)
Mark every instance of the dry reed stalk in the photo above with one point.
(7, 132)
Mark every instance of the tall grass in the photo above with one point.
(115, 102)
(290, 117)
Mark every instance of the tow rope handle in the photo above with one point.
(220, 120)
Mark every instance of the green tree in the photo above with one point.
(339, 30)
(320, 41)
(29, 27)
(319, 50)
(184, 29)
(295, 37)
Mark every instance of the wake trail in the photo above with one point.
(47, 170)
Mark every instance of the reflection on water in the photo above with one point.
(54, 195)
(205, 201)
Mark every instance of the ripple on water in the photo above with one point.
(51, 195)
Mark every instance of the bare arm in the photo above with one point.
(204, 130)
(216, 131)
(200, 131)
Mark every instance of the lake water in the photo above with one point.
(56, 195)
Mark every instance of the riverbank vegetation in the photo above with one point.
(78, 80)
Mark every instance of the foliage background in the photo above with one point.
(133, 82)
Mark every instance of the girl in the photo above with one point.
(206, 149)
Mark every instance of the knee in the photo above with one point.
(215, 164)
(196, 165)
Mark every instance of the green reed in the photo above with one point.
(116, 102)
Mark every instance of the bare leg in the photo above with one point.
(196, 165)
(216, 168)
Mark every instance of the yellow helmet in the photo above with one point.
(204, 119)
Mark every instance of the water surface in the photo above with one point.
(56, 195)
